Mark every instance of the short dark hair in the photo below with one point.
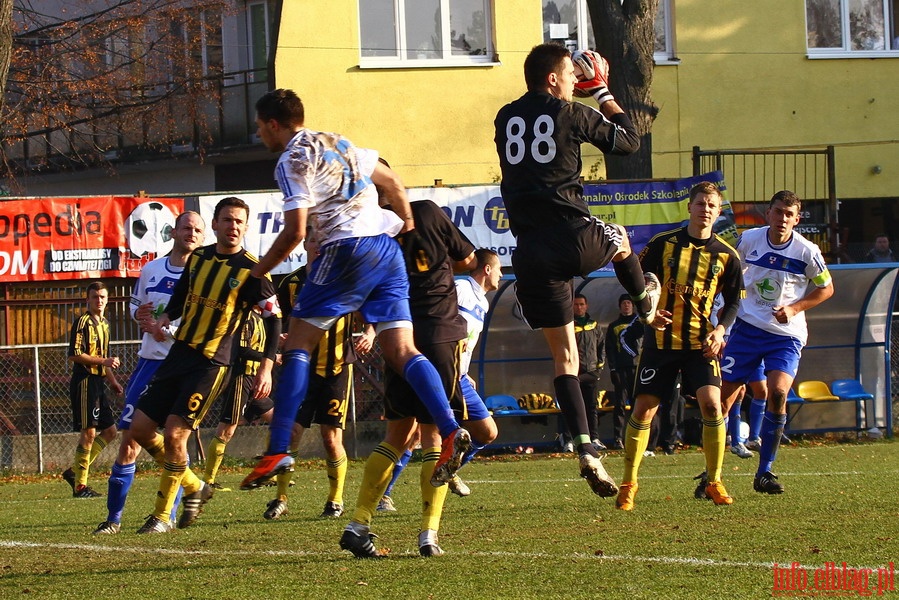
(485, 256)
(576, 296)
(282, 105)
(624, 297)
(95, 285)
(230, 201)
(787, 197)
(704, 187)
(540, 62)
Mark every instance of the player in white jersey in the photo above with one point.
(149, 298)
(333, 187)
(767, 339)
(471, 293)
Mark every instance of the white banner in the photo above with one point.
(266, 220)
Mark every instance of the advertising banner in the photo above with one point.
(44, 239)
(643, 208)
(266, 220)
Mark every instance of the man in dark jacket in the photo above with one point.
(621, 366)
(590, 343)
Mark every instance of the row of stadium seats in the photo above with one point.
(818, 392)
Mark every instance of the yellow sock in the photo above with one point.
(96, 449)
(432, 498)
(169, 482)
(636, 439)
(378, 470)
(283, 479)
(82, 465)
(215, 452)
(336, 477)
(156, 449)
(713, 436)
(190, 482)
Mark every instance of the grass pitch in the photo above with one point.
(530, 529)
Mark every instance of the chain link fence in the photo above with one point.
(36, 415)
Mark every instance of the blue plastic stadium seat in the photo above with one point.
(503, 405)
(850, 389)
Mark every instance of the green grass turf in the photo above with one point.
(530, 529)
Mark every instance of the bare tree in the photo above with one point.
(89, 79)
(625, 34)
(5, 43)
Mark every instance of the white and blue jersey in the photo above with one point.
(778, 276)
(156, 283)
(773, 276)
(473, 307)
(326, 174)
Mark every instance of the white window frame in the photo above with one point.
(401, 59)
(252, 42)
(664, 57)
(846, 50)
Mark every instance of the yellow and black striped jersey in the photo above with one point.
(692, 272)
(335, 348)
(252, 345)
(89, 336)
(213, 297)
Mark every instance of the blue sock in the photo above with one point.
(117, 492)
(756, 414)
(175, 505)
(476, 447)
(733, 424)
(425, 380)
(772, 429)
(292, 384)
(398, 470)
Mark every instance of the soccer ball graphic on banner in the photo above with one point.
(148, 229)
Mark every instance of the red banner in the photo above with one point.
(78, 238)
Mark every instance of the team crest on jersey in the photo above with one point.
(716, 269)
(233, 283)
(768, 289)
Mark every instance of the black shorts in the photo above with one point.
(91, 407)
(327, 400)
(257, 407)
(236, 397)
(657, 371)
(401, 401)
(186, 385)
(545, 262)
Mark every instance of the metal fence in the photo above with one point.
(36, 415)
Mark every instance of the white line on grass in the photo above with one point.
(666, 560)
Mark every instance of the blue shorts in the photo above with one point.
(367, 274)
(752, 352)
(137, 383)
(474, 404)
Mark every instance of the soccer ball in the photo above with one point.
(148, 229)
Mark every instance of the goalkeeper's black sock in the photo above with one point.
(630, 275)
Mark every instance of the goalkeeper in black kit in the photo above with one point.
(538, 140)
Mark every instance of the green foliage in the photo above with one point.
(530, 529)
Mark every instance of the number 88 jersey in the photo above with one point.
(538, 140)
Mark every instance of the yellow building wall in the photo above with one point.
(743, 81)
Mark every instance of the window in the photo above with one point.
(423, 32)
(568, 22)
(260, 17)
(866, 27)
